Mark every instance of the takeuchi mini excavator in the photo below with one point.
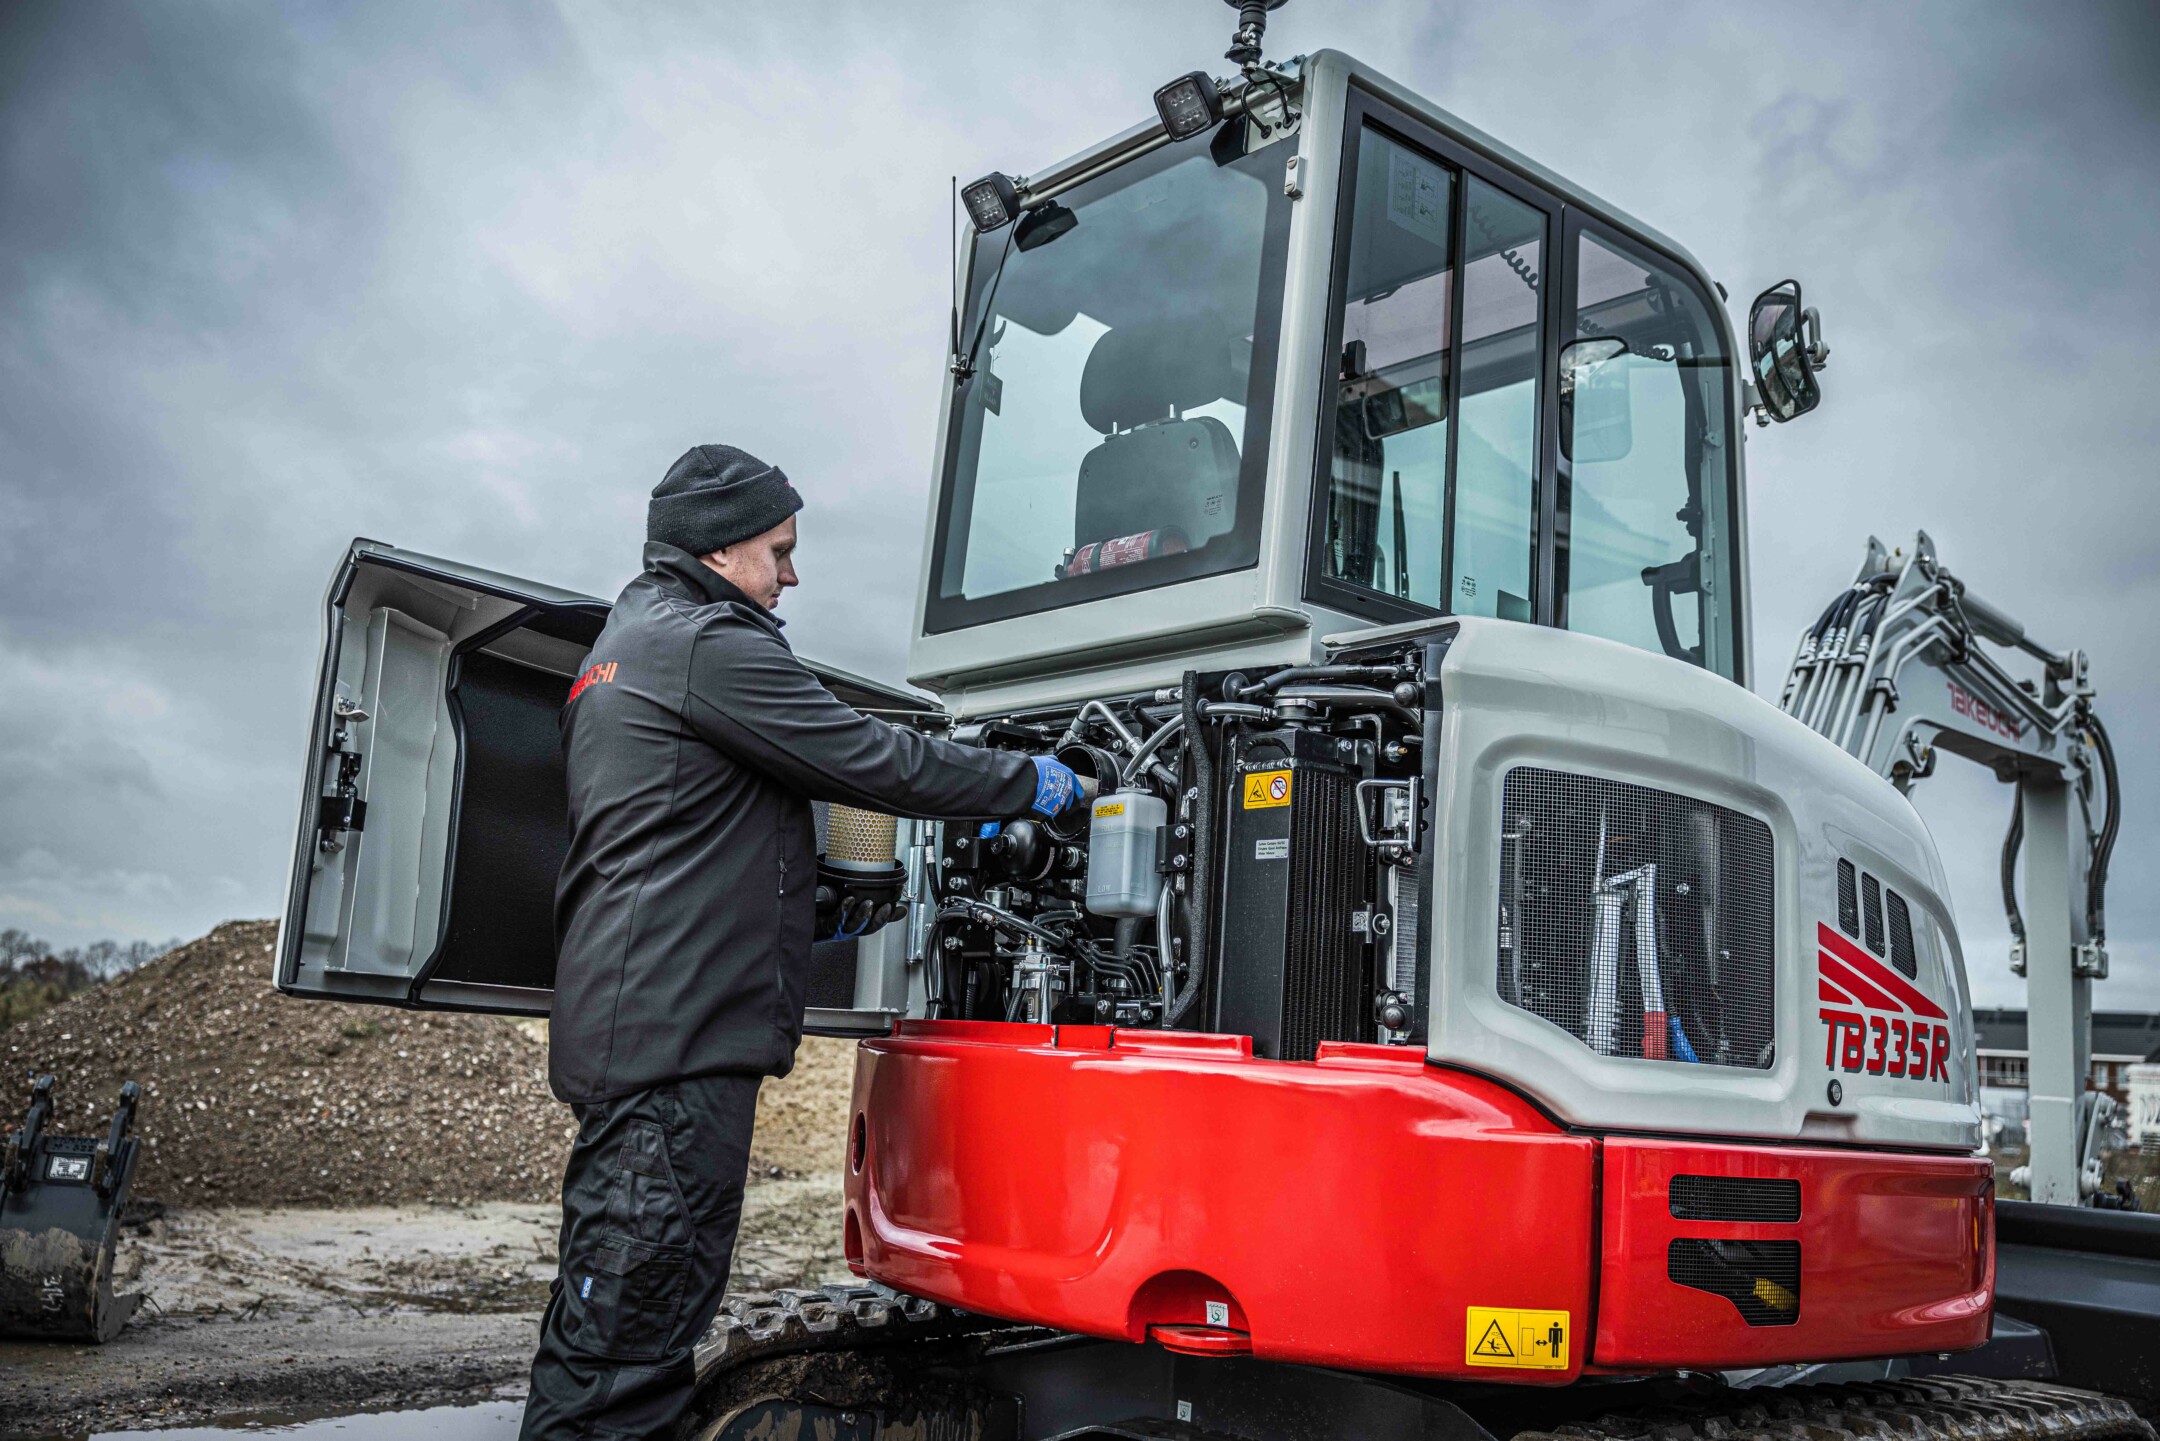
(1464, 1008)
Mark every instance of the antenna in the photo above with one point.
(1251, 25)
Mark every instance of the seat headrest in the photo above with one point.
(1138, 372)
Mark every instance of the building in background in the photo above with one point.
(2121, 1040)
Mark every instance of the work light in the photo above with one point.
(1188, 105)
(991, 201)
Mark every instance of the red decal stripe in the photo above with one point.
(1861, 991)
(1914, 999)
(1825, 991)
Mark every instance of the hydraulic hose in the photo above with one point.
(2011, 841)
(2104, 847)
(1374, 674)
(1364, 697)
(1200, 890)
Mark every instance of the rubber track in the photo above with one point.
(753, 1326)
(1938, 1408)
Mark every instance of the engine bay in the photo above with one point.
(1274, 819)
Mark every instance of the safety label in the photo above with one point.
(1267, 788)
(1109, 808)
(1503, 1336)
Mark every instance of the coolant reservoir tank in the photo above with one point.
(1124, 831)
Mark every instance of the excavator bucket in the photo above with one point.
(60, 1200)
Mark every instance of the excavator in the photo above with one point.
(1464, 1008)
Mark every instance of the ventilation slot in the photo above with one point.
(1734, 1198)
(1638, 921)
(1871, 911)
(1901, 943)
(1761, 1278)
(1848, 899)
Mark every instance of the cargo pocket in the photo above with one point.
(629, 1294)
(629, 1288)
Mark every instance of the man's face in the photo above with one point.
(762, 566)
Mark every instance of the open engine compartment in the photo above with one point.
(1248, 863)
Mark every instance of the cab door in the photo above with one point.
(434, 810)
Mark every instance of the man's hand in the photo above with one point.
(855, 903)
(1056, 787)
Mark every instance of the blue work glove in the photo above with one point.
(1056, 787)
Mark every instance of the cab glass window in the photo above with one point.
(1646, 549)
(1114, 435)
(1387, 471)
(1436, 381)
(1496, 453)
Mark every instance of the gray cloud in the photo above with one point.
(466, 279)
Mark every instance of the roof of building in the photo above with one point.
(2114, 1033)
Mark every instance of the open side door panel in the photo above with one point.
(433, 809)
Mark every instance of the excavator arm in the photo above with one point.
(1897, 670)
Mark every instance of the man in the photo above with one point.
(695, 742)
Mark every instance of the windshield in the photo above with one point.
(1114, 434)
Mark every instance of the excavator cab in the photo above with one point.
(1337, 360)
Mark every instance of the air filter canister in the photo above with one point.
(857, 840)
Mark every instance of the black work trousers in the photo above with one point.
(651, 1200)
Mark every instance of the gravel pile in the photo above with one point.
(251, 1098)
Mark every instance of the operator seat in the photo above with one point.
(1159, 469)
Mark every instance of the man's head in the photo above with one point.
(732, 511)
(760, 567)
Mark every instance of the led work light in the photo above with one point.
(991, 201)
(1188, 105)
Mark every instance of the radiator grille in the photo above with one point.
(1848, 899)
(1734, 1198)
(1326, 990)
(1761, 1278)
(1639, 921)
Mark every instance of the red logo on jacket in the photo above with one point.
(1902, 1040)
(599, 674)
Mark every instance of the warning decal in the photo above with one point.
(1266, 789)
(1500, 1336)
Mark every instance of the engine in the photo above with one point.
(1246, 862)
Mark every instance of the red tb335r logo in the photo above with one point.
(1891, 1028)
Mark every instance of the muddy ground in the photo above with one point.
(324, 1311)
(348, 1207)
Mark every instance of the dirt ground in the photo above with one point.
(294, 1310)
(348, 1207)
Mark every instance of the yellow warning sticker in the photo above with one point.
(1267, 788)
(1502, 1336)
(1110, 808)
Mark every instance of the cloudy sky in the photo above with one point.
(466, 278)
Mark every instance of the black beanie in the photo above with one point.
(716, 495)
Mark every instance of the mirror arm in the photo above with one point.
(1818, 353)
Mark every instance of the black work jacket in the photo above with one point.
(695, 742)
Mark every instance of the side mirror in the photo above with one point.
(1597, 417)
(1786, 348)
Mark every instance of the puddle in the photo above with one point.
(492, 1421)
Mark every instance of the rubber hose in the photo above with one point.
(2104, 848)
(1200, 891)
(2011, 842)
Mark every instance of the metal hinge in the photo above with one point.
(1293, 180)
